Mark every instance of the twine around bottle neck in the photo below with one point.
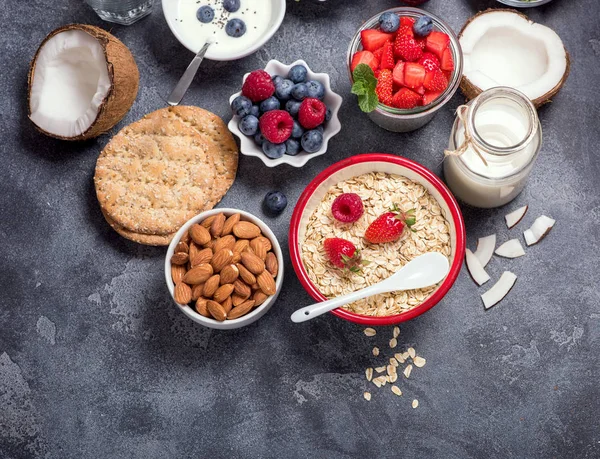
(468, 141)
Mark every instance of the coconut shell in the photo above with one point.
(471, 91)
(122, 72)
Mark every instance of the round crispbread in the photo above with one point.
(146, 239)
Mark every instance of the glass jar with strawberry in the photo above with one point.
(404, 65)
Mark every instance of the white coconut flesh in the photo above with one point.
(70, 84)
(502, 48)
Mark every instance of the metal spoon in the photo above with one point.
(187, 77)
(423, 271)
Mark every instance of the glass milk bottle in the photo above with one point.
(493, 145)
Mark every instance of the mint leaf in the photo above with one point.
(368, 102)
(364, 87)
(359, 88)
(363, 72)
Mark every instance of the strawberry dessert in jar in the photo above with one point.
(404, 65)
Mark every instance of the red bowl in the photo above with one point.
(378, 162)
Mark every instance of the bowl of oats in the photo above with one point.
(362, 219)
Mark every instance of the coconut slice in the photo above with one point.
(475, 268)
(499, 290)
(538, 231)
(485, 249)
(82, 81)
(515, 216)
(504, 48)
(511, 249)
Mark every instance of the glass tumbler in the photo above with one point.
(124, 12)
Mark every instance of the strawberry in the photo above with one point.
(435, 81)
(420, 90)
(447, 61)
(407, 21)
(413, 75)
(406, 99)
(378, 53)
(373, 39)
(343, 254)
(398, 73)
(384, 87)
(405, 30)
(429, 61)
(406, 48)
(429, 97)
(387, 59)
(364, 57)
(389, 226)
(437, 42)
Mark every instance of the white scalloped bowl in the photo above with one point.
(333, 101)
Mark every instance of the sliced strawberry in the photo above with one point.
(384, 88)
(364, 57)
(430, 96)
(407, 21)
(378, 53)
(405, 30)
(376, 73)
(435, 81)
(447, 61)
(398, 74)
(387, 59)
(437, 42)
(407, 48)
(429, 61)
(414, 75)
(406, 99)
(448, 75)
(420, 90)
(373, 39)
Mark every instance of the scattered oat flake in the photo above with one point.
(419, 361)
(405, 355)
(375, 351)
(396, 332)
(391, 369)
(393, 378)
(367, 396)
(393, 343)
(407, 370)
(411, 352)
(376, 382)
(399, 357)
(393, 361)
(369, 373)
(415, 403)
(380, 369)
(370, 331)
(396, 390)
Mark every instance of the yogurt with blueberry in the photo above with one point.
(232, 26)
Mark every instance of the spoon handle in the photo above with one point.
(314, 310)
(188, 76)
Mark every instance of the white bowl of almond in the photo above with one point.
(224, 268)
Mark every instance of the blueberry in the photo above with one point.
(292, 107)
(297, 73)
(231, 5)
(283, 90)
(312, 141)
(249, 125)
(297, 130)
(273, 150)
(259, 138)
(320, 128)
(315, 89)
(255, 110)
(275, 202)
(272, 103)
(241, 106)
(389, 22)
(423, 26)
(300, 91)
(328, 115)
(276, 79)
(235, 28)
(292, 147)
(205, 14)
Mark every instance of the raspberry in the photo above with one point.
(258, 86)
(276, 126)
(311, 113)
(347, 208)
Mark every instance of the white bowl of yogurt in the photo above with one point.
(261, 19)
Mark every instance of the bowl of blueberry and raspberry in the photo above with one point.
(285, 114)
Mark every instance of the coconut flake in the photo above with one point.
(475, 268)
(485, 249)
(499, 290)
(511, 249)
(515, 216)
(540, 228)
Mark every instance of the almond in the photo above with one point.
(246, 275)
(197, 291)
(241, 245)
(266, 242)
(216, 310)
(259, 298)
(198, 274)
(202, 256)
(179, 258)
(237, 256)
(209, 245)
(223, 292)
(227, 304)
(182, 247)
(186, 238)
(253, 263)
(182, 293)
(221, 259)
(258, 248)
(254, 287)
(194, 249)
(207, 221)
(229, 224)
(271, 264)
(246, 230)
(199, 234)
(266, 283)
(241, 310)
(225, 242)
(216, 227)
(237, 300)
(229, 274)
(201, 307)
(211, 286)
(177, 273)
(241, 289)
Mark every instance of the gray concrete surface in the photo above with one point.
(95, 361)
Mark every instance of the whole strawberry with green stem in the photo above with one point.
(343, 254)
(390, 226)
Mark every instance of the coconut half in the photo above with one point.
(82, 81)
(502, 47)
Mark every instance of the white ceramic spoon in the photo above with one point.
(423, 271)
